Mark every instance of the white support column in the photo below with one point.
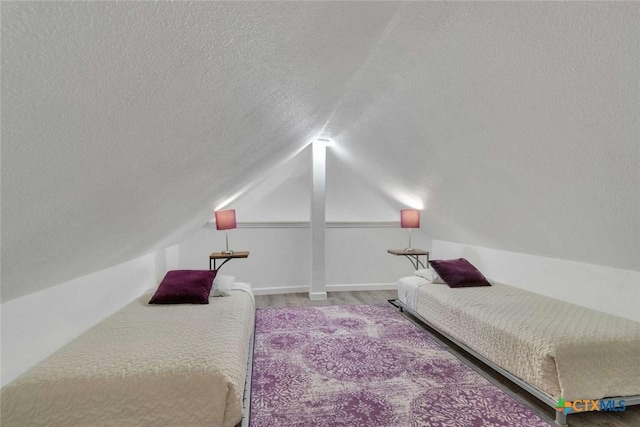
(319, 172)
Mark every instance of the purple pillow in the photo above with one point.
(184, 287)
(459, 273)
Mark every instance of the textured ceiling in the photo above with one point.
(518, 124)
(284, 194)
(124, 124)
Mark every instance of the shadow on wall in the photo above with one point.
(165, 260)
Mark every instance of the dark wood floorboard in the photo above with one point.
(629, 418)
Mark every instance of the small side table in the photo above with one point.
(226, 257)
(412, 255)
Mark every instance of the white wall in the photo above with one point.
(280, 259)
(359, 255)
(611, 290)
(36, 325)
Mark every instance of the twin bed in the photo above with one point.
(147, 365)
(188, 364)
(552, 348)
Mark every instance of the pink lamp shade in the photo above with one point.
(410, 218)
(226, 220)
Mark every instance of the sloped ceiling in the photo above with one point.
(285, 194)
(518, 124)
(125, 124)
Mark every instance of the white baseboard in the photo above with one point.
(361, 287)
(275, 290)
(317, 296)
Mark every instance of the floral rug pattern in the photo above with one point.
(369, 366)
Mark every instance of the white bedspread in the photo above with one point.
(408, 290)
(244, 287)
(560, 348)
(147, 365)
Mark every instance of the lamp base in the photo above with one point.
(227, 252)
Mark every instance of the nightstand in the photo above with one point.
(226, 257)
(412, 255)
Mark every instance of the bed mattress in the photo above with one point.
(169, 365)
(560, 348)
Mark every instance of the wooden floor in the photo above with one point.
(333, 298)
(629, 418)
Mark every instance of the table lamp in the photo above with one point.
(226, 220)
(410, 218)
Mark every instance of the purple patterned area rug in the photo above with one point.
(367, 366)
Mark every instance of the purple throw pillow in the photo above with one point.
(459, 273)
(184, 287)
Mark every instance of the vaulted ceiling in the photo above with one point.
(124, 124)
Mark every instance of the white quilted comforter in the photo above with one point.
(147, 365)
(560, 348)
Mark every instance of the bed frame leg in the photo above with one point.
(561, 419)
(394, 302)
